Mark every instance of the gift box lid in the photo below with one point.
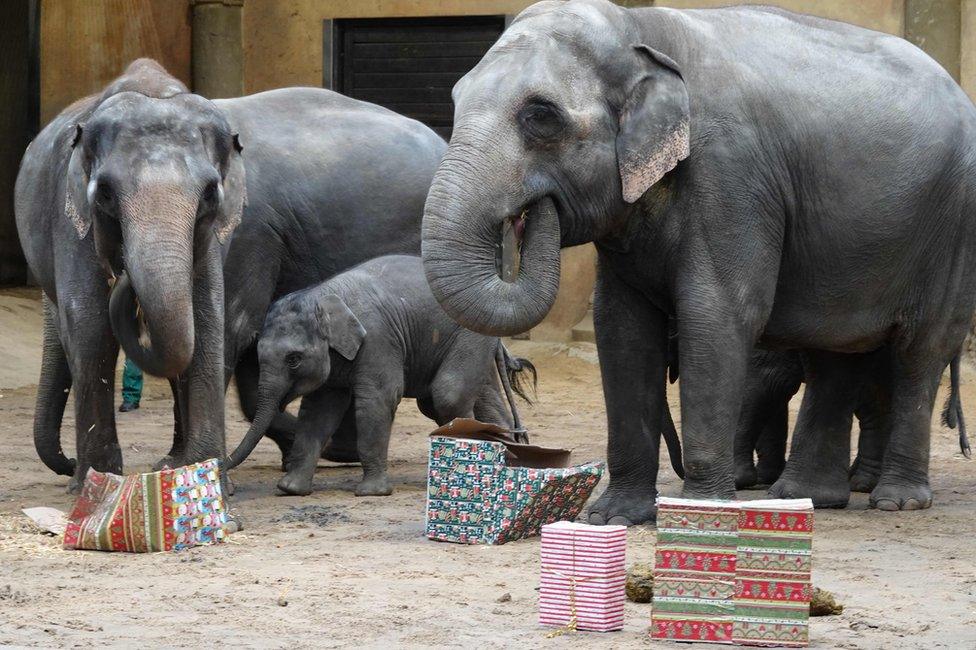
(516, 454)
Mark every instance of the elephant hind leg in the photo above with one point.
(490, 405)
(820, 453)
(342, 446)
(904, 480)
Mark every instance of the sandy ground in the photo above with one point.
(358, 571)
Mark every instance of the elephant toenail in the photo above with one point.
(620, 520)
(886, 504)
(596, 519)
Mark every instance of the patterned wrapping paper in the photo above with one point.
(169, 510)
(728, 572)
(476, 496)
(583, 576)
(772, 585)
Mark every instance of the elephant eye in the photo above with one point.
(211, 194)
(293, 360)
(541, 119)
(104, 196)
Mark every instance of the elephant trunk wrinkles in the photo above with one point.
(461, 233)
(52, 396)
(267, 408)
(151, 308)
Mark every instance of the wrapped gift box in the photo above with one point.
(483, 488)
(733, 572)
(169, 510)
(583, 576)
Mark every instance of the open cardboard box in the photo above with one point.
(484, 488)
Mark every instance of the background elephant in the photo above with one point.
(360, 342)
(773, 378)
(318, 201)
(811, 204)
(335, 182)
(134, 188)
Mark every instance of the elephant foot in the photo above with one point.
(74, 484)
(824, 494)
(889, 496)
(624, 507)
(864, 476)
(340, 453)
(374, 486)
(746, 475)
(296, 484)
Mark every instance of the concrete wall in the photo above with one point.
(87, 43)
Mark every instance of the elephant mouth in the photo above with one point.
(508, 258)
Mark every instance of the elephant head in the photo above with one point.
(154, 179)
(566, 122)
(294, 355)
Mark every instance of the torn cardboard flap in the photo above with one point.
(517, 454)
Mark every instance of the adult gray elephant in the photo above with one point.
(761, 176)
(132, 184)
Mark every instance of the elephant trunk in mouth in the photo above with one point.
(497, 274)
(154, 325)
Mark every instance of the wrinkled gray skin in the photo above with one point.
(332, 182)
(819, 204)
(142, 182)
(318, 202)
(358, 343)
(771, 381)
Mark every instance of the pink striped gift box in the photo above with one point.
(583, 576)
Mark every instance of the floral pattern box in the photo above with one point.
(483, 488)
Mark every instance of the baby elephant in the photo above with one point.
(362, 340)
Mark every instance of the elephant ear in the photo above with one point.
(340, 326)
(76, 188)
(654, 124)
(235, 193)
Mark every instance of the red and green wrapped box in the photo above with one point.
(733, 572)
(169, 510)
(483, 488)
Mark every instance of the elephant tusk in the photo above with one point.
(513, 229)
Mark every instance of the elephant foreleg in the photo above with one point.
(632, 341)
(92, 356)
(319, 416)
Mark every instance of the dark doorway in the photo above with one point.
(409, 65)
(19, 114)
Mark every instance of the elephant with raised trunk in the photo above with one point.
(761, 176)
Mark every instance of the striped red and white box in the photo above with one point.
(583, 576)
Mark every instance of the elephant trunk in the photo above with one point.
(52, 396)
(493, 269)
(269, 402)
(151, 309)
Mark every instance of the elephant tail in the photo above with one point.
(671, 439)
(510, 372)
(52, 396)
(952, 415)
